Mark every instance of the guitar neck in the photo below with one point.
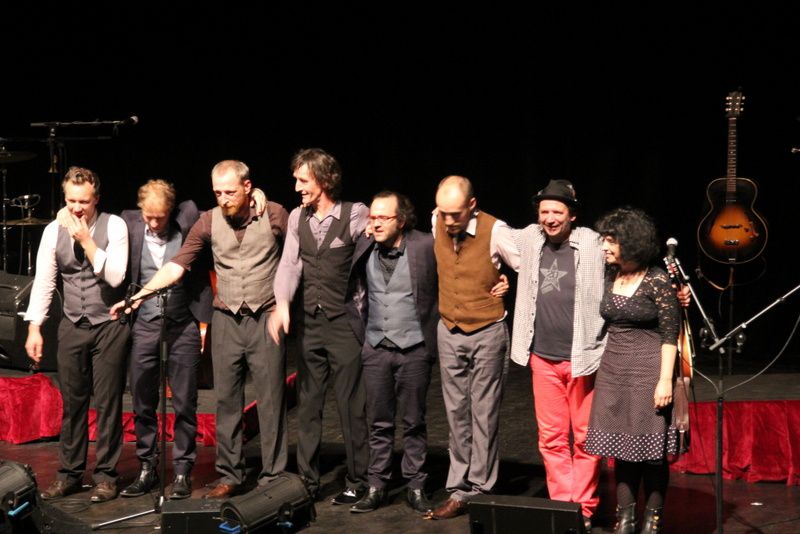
(730, 192)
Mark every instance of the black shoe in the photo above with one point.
(417, 500)
(144, 482)
(370, 502)
(181, 488)
(349, 496)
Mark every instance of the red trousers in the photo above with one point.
(563, 403)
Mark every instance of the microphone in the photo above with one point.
(130, 121)
(123, 317)
(672, 244)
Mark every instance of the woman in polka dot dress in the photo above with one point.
(632, 406)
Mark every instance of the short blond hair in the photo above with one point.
(241, 170)
(158, 191)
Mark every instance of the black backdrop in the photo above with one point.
(626, 103)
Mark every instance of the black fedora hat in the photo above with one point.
(560, 190)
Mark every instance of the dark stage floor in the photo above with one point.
(749, 508)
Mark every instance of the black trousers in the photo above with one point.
(91, 359)
(183, 345)
(240, 344)
(329, 347)
(397, 380)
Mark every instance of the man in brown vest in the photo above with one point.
(246, 251)
(472, 339)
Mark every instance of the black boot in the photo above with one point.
(144, 482)
(626, 519)
(652, 521)
(371, 501)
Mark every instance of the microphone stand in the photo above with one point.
(719, 387)
(57, 150)
(162, 295)
(679, 275)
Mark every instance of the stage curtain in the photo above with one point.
(30, 409)
(761, 441)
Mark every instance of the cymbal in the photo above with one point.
(28, 221)
(7, 156)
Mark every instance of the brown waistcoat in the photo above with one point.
(467, 277)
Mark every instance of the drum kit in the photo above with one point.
(26, 203)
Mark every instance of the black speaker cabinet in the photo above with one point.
(500, 514)
(15, 291)
(191, 515)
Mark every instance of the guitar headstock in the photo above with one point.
(734, 104)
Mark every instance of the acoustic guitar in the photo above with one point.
(732, 232)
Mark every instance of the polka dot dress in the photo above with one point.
(623, 422)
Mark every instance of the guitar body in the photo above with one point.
(732, 231)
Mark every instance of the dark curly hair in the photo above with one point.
(635, 232)
(324, 168)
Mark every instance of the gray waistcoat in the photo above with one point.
(392, 310)
(246, 270)
(177, 301)
(85, 294)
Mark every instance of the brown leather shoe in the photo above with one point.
(450, 509)
(104, 491)
(60, 488)
(221, 491)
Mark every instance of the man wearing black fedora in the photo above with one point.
(558, 334)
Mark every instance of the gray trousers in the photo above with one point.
(91, 360)
(239, 343)
(473, 368)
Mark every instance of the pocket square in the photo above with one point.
(336, 243)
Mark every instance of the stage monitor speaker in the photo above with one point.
(191, 515)
(17, 496)
(281, 505)
(499, 514)
(15, 291)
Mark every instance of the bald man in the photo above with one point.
(472, 338)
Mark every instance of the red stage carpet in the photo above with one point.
(761, 441)
(30, 409)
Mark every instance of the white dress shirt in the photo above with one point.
(109, 264)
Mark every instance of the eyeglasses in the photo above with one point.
(382, 219)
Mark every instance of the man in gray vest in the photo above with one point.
(88, 250)
(318, 255)
(156, 233)
(396, 323)
(246, 251)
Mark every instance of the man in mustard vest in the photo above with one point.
(472, 339)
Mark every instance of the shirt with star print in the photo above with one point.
(555, 303)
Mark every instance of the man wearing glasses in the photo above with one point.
(396, 323)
